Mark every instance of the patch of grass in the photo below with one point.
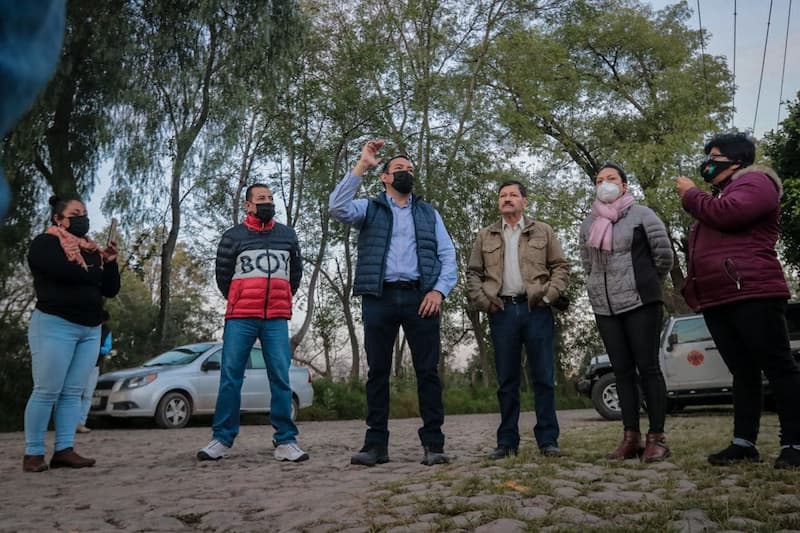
(688, 482)
(471, 486)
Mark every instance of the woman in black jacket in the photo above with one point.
(71, 275)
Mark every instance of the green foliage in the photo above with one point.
(345, 400)
(783, 149)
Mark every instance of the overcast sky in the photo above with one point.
(751, 28)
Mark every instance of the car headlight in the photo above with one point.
(139, 381)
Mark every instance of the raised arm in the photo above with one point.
(342, 204)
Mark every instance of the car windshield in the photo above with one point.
(179, 356)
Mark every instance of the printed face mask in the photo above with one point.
(265, 212)
(710, 169)
(607, 192)
(79, 226)
(403, 181)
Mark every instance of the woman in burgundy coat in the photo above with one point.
(735, 279)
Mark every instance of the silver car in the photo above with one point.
(184, 381)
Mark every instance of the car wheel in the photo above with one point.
(295, 408)
(605, 399)
(673, 406)
(173, 411)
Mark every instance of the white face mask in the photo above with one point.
(607, 192)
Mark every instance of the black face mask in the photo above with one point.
(403, 181)
(710, 169)
(78, 226)
(265, 212)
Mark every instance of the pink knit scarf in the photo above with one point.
(601, 232)
(73, 245)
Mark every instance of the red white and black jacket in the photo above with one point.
(259, 269)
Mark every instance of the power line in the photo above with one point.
(763, 61)
(783, 68)
(733, 98)
(703, 52)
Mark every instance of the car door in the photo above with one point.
(206, 383)
(255, 390)
(693, 361)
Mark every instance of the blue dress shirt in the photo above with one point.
(401, 259)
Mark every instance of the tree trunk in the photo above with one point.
(168, 250)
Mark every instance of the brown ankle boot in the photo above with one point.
(69, 459)
(630, 447)
(33, 463)
(655, 448)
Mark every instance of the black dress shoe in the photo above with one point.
(371, 455)
(434, 455)
(735, 454)
(501, 452)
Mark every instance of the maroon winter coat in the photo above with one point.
(731, 254)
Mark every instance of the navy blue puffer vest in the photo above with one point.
(373, 245)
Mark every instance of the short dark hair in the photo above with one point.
(518, 183)
(59, 203)
(737, 147)
(388, 162)
(248, 194)
(609, 164)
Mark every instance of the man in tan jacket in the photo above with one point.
(516, 271)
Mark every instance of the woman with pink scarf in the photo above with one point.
(626, 254)
(71, 276)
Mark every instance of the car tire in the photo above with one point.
(173, 411)
(673, 406)
(605, 398)
(295, 408)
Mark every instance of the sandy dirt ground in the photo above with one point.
(149, 479)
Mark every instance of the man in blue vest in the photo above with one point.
(406, 267)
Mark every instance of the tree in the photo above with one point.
(783, 149)
(60, 142)
(193, 61)
(614, 80)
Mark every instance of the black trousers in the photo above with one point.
(632, 341)
(752, 337)
(382, 320)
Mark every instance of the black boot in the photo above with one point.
(501, 451)
(434, 455)
(735, 454)
(370, 455)
(788, 458)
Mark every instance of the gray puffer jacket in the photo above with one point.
(633, 273)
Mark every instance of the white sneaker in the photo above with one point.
(214, 451)
(290, 452)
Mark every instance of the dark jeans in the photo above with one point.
(511, 328)
(632, 343)
(383, 317)
(752, 337)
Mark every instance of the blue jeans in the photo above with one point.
(511, 328)
(238, 338)
(62, 355)
(382, 320)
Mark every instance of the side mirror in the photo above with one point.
(672, 340)
(209, 365)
